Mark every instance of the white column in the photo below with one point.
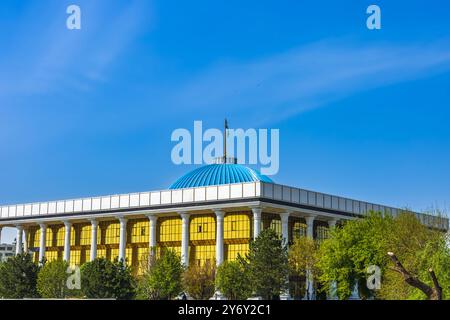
(42, 242)
(219, 236)
(285, 236)
(256, 221)
(332, 223)
(68, 229)
(309, 278)
(25, 240)
(355, 293)
(153, 220)
(332, 295)
(310, 227)
(285, 226)
(123, 238)
(94, 230)
(185, 238)
(19, 240)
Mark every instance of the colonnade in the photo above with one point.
(22, 245)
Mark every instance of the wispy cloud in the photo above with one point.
(308, 77)
(60, 58)
(40, 72)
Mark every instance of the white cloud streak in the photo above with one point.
(308, 77)
(77, 59)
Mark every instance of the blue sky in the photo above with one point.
(363, 114)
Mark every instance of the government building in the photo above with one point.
(208, 215)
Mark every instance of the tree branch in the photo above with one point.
(412, 280)
(437, 287)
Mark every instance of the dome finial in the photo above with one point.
(225, 141)
(225, 159)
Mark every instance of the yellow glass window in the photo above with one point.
(73, 235)
(139, 231)
(85, 235)
(87, 255)
(60, 233)
(322, 233)
(101, 253)
(37, 238)
(202, 228)
(234, 249)
(201, 255)
(50, 239)
(114, 254)
(298, 228)
(161, 249)
(35, 257)
(130, 256)
(33, 237)
(75, 257)
(237, 226)
(142, 259)
(169, 229)
(271, 221)
(51, 255)
(112, 233)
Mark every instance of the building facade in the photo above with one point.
(6, 251)
(209, 215)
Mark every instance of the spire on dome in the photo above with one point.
(224, 159)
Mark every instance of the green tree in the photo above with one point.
(102, 278)
(233, 280)
(52, 280)
(198, 281)
(419, 249)
(163, 280)
(350, 250)
(303, 262)
(345, 256)
(18, 277)
(267, 263)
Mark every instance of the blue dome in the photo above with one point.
(215, 174)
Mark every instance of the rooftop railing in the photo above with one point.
(148, 199)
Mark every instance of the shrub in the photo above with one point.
(163, 280)
(199, 281)
(18, 276)
(52, 280)
(102, 279)
(267, 263)
(233, 281)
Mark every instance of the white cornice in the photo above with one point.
(201, 198)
